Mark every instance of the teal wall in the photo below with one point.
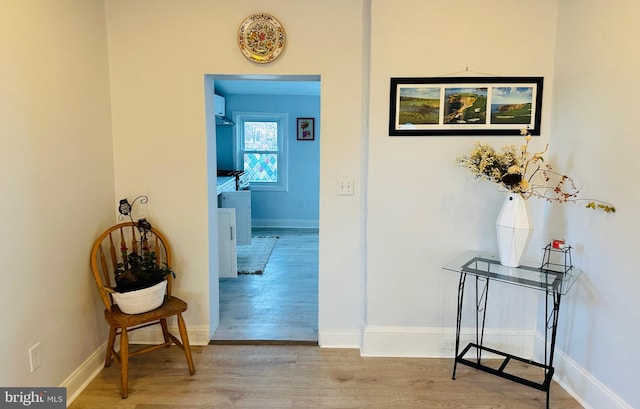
(297, 207)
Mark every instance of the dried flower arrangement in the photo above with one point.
(524, 173)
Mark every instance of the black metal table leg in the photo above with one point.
(551, 323)
(463, 277)
(480, 308)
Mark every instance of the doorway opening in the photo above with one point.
(278, 304)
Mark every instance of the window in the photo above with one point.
(262, 149)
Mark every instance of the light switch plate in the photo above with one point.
(345, 187)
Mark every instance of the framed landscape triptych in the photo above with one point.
(465, 106)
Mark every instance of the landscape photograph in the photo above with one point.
(465, 106)
(419, 106)
(511, 105)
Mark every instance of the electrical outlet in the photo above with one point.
(345, 186)
(34, 357)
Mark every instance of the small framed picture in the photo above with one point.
(306, 129)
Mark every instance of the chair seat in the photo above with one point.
(118, 319)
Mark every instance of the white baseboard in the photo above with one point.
(435, 342)
(340, 339)
(84, 374)
(579, 383)
(286, 223)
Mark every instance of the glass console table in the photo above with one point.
(553, 279)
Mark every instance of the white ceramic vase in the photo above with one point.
(514, 228)
(143, 300)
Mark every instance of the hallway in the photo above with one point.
(279, 305)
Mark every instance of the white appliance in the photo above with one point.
(240, 200)
(227, 260)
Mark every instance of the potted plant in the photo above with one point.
(140, 279)
(140, 269)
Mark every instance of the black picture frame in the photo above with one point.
(305, 129)
(465, 106)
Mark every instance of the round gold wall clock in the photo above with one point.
(261, 38)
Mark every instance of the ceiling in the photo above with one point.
(308, 85)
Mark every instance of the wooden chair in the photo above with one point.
(105, 257)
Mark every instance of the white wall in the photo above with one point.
(56, 184)
(595, 138)
(422, 211)
(159, 54)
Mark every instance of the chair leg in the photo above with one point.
(185, 343)
(165, 330)
(112, 340)
(124, 363)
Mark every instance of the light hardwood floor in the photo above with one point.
(280, 304)
(277, 376)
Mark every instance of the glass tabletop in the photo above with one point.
(487, 265)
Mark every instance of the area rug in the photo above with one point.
(253, 259)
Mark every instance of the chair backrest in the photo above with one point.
(106, 254)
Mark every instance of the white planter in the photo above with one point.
(514, 228)
(139, 301)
